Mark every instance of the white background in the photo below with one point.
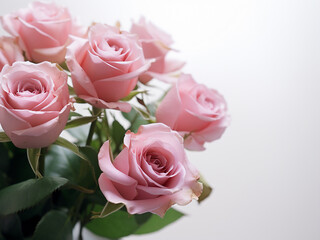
(264, 57)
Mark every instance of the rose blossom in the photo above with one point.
(156, 45)
(105, 67)
(195, 111)
(151, 173)
(43, 30)
(9, 51)
(34, 103)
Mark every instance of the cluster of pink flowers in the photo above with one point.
(152, 172)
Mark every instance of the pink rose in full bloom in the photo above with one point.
(198, 113)
(151, 173)
(10, 52)
(105, 67)
(43, 30)
(34, 103)
(156, 45)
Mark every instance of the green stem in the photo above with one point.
(41, 160)
(107, 124)
(95, 112)
(91, 131)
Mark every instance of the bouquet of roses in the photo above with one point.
(82, 141)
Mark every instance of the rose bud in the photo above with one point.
(10, 52)
(43, 30)
(151, 173)
(156, 45)
(198, 113)
(34, 103)
(105, 67)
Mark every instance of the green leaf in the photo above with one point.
(80, 121)
(33, 158)
(64, 163)
(55, 225)
(28, 193)
(74, 114)
(63, 66)
(92, 155)
(206, 191)
(108, 209)
(79, 100)
(142, 218)
(10, 226)
(19, 168)
(69, 145)
(156, 223)
(132, 94)
(71, 90)
(135, 119)
(80, 133)
(4, 137)
(118, 133)
(116, 225)
(144, 114)
(4, 163)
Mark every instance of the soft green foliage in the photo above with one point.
(69, 145)
(155, 223)
(135, 119)
(4, 137)
(119, 224)
(206, 190)
(80, 121)
(28, 193)
(55, 225)
(33, 157)
(10, 227)
(115, 225)
(132, 94)
(108, 209)
(63, 162)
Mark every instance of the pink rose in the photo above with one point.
(105, 67)
(43, 30)
(9, 51)
(198, 113)
(34, 103)
(151, 173)
(156, 45)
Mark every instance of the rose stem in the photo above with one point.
(95, 112)
(41, 160)
(107, 125)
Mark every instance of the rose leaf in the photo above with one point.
(28, 193)
(53, 226)
(155, 223)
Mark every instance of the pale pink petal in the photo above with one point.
(35, 118)
(54, 54)
(170, 108)
(42, 135)
(99, 103)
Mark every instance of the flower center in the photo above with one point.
(205, 101)
(114, 46)
(30, 87)
(157, 162)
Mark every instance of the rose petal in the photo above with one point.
(42, 135)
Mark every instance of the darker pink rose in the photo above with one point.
(43, 30)
(198, 113)
(105, 67)
(34, 103)
(151, 173)
(156, 46)
(10, 52)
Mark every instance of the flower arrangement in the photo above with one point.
(82, 142)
